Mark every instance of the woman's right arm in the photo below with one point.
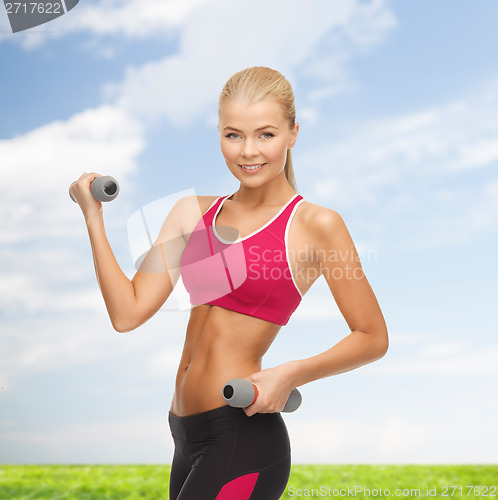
(130, 303)
(117, 290)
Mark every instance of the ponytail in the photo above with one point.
(289, 170)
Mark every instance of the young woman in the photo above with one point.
(243, 288)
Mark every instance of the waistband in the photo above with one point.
(216, 421)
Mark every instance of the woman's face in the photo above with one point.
(253, 135)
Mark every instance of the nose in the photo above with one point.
(249, 148)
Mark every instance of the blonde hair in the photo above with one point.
(258, 83)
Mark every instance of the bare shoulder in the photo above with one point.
(201, 202)
(189, 210)
(326, 231)
(318, 221)
(205, 202)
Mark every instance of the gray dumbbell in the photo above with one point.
(103, 188)
(241, 393)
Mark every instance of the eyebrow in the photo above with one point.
(257, 130)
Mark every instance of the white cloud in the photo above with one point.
(443, 359)
(185, 86)
(31, 346)
(385, 152)
(317, 308)
(393, 438)
(443, 349)
(29, 293)
(132, 19)
(491, 189)
(318, 303)
(164, 362)
(418, 165)
(39, 166)
(361, 27)
(141, 440)
(406, 338)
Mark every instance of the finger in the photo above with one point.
(71, 193)
(250, 410)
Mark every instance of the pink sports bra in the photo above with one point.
(250, 275)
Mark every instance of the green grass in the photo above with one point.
(373, 480)
(127, 482)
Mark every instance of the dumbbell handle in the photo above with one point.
(241, 393)
(103, 188)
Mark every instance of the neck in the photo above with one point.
(276, 192)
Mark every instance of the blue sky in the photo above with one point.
(397, 104)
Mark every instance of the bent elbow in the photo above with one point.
(121, 326)
(379, 343)
(118, 327)
(383, 344)
(383, 350)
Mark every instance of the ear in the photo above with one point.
(218, 128)
(294, 135)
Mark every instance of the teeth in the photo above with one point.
(251, 168)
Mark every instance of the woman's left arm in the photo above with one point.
(367, 342)
(341, 267)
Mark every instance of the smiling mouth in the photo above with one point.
(253, 167)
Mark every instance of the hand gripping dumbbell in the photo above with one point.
(103, 188)
(241, 393)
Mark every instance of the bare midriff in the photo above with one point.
(220, 344)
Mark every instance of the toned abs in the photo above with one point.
(220, 345)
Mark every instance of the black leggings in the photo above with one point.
(223, 454)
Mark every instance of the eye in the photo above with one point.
(269, 134)
(230, 135)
